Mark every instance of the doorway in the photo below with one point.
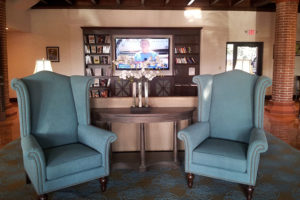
(245, 56)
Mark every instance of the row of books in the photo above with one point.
(96, 93)
(183, 50)
(186, 60)
(97, 39)
(97, 49)
(100, 88)
(100, 82)
(98, 71)
(95, 59)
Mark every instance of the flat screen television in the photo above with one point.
(132, 51)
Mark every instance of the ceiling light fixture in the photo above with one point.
(191, 2)
(6, 28)
(193, 14)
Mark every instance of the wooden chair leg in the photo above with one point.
(250, 190)
(190, 179)
(28, 181)
(43, 197)
(103, 182)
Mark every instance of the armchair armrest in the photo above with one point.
(193, 135)
(34, 161)
(257, 144)
(96, 138)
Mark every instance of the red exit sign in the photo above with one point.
(251, 32)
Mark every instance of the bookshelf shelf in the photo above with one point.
(186, 54)
(186, 64)
(182, 43)
(104, 54)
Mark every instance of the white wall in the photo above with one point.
(18, 14)
(62, 28)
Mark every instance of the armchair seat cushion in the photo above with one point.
(220, 153)
(70, 159)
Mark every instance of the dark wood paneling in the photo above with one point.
(182, 38)
(247, 5)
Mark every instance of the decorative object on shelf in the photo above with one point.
(52, 54)
(139, 76)
(146, 94)
(42, 65)
(140, 94)
(133, 94)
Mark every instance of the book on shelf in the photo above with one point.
(106, 49)
(107, 39)
(108, 82)
(185, 60)
(96, 82)
(100, 39)
(99, 49)
(104, 93)
(105, 60)
(183, 50)
(98, 71)
(93, 49)
(103, 49)
(91, 39)
(87, 49)
(96, 93)
(96, 59)
(103, 82)
(88, 60)
(89, 71)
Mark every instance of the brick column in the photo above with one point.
(4, 99)
(284, 57)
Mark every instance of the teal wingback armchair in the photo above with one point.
(60, 147)
(226, 141)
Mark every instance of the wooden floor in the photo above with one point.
(285, 128)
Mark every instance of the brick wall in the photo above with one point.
(284, 51)
(3, 61)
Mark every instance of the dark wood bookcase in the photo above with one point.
(184, 60)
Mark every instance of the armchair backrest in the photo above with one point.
(47, 107)
(232, 102)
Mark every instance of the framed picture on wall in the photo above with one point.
(298, 48)
(52, 54)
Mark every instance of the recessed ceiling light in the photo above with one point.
(190, 2)
(6, 28)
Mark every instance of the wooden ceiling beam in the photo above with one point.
(44, 1)
(259, 3)
(69, 2)
(237, 2)
(213, 2)
(95, 2)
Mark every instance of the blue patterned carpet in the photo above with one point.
(278, 178)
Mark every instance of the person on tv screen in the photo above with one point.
(146, 52)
